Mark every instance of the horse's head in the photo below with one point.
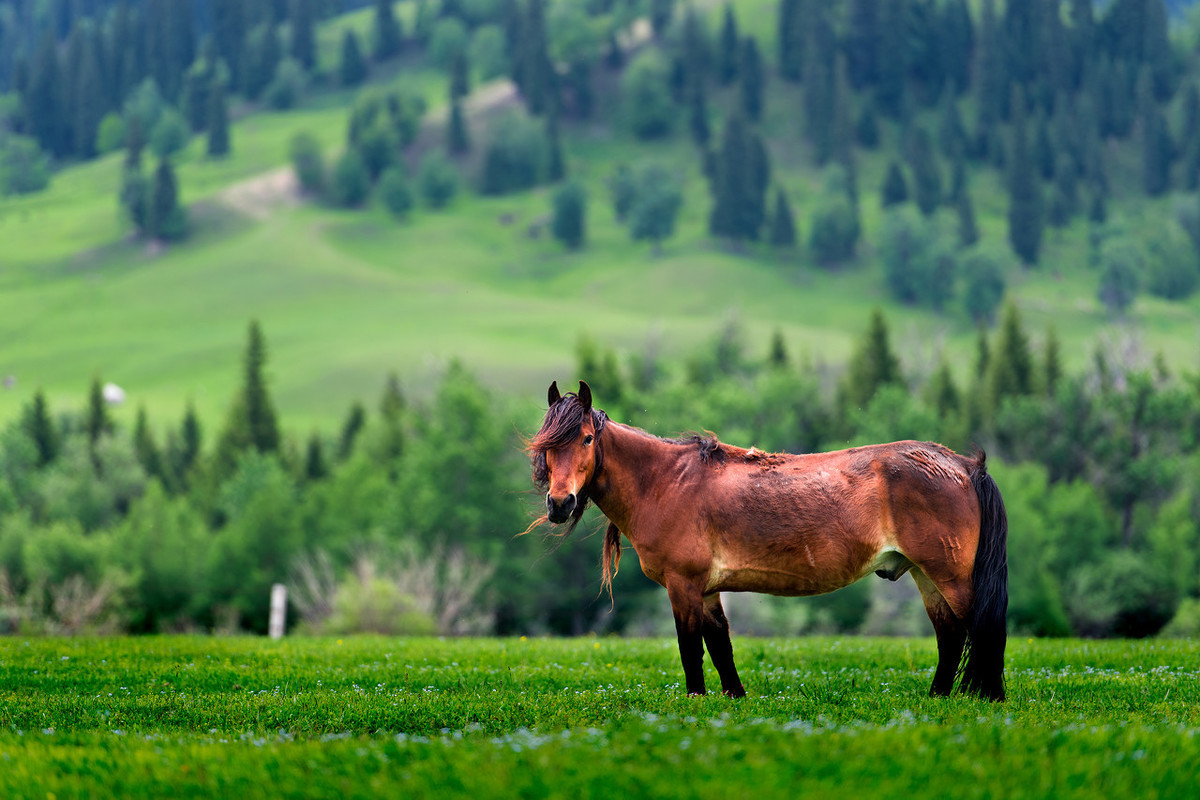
(566, 453)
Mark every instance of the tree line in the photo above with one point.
(410, 510)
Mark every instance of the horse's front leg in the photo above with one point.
(687, 603)
(720, 649)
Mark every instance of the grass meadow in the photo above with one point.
(590, 717)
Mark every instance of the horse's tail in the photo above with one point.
(983, 670)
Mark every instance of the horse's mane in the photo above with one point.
(710, 450)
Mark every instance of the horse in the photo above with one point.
(705, 517)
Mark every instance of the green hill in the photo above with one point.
(345, 297)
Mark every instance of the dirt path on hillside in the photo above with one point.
(261, 196)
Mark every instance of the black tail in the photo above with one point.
(983, 673)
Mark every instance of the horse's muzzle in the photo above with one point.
(560, 510)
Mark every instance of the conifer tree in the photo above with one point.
(778, 357)
(252, 422)
(1051, 363)
(1043, 149)
(165, 218)
(460, 75)
(752, 78)
(97, 422)
(569, 223)
(190, 441)
(927, 177)
(304, 43)
(1010, 368)
(698, 114)
(556, 163)
(793, 20)
(1025, 216)
(728, 49)
(218, 120)
(952, 135)
(862, 45)
(941, 393)
(742, 176)
(353, 70)
(356, 418)
(783, 226)
(534, 70)
(873, 364)
(388, 36)
(315, 467)
(146, 449)
(88, 102)
(895, 188)
(968, 228)
(1156, 140)
(40, 428)
(458, 138)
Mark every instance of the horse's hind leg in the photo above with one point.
(720, 649)
(950, 631)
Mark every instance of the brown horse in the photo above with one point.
(706, 517)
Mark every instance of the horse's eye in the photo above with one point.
(587, 440)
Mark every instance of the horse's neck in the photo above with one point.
(632, 464)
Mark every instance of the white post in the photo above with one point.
(278, 611)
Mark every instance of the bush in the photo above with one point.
(515, 155)
(438, 179)
(918, 263)
(488, 52)
(398, 110)
(646, 95)
(1172, 267)
(288, 86)
(1120, 595)
(308, 162)
(449, 38)
(24, 168)
(833, 231)
(170, 134)
(110, 135)
(396, 192)
(1122, 261)
(984, 285)
(569, 224)
(351, 183)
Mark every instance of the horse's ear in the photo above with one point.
(585, 395)
(553, 395)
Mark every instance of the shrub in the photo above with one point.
(984, 285)
(110, 135)
(24, 168)
(514, 157)
(488, 52)
(646, 95)
(350, 183)
(570, 206)
(288, 86)
(170, 134)
(1120, 595)
(395, 190)
(308, 162)
(449, 38)
(833, 231)
(438, 180)
(918, 264)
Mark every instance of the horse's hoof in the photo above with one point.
(735, 693)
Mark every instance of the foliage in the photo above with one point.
(919, 265)
(24, 168)
(646, 96)
(288, 85)
(396, 192)
(437, 179)
(570, 212)
(308, 162)
(350, 182)
(514, 157)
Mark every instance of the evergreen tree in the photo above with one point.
(460, 75)
(862, 43)
(866, 131)
(895, 188)
(952, 135)
(230, 24)
(88, 102)
(698, 115)
(783, 227)
(820, 84)
(941, 393)
(315, 467)
(927, 177)
(388, 36)
(873, 364)
(44, 102)
(778, 356)
(793, 19)
(351, 428)
(190, 442)
(135, 196)
(556, 163)
(146, 449)
(304, 42)
(1025, 217)
(531, 61)
(1043, 149)
(991, 79)
(165, 218)
(252, 422)
(968, 229)
(1156, 141)
(569, 223)
(1010, 368)
(353, 69)
(40, 428)
(741, 181)
(728, 48)
(751, 73)
(1051, 363)
(97, 421)
(218, 120)
(458, 139)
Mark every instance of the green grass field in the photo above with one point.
(196, 717)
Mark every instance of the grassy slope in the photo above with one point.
(585, 718)
(347, 297)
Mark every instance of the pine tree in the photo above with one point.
(353, 69)
(259, 412)
(992, 78)
(532, 64)
(146, 449)
(165, 218)
(1025, 217)
(40, 428)
(1051, 363)
(88, 103)
(1043, 149)
(569, 222)
(968, 229)
(728, 49)
(44, 102)
(952, 135)
(866, 130)
(190, 442)
(1156, 140)
(941, 393)
(895, 188)
(783, 227)
(1010, 368)
(820, 85)
(388, 36)
(315, 467)
(229, 27)
(793, 19)
(862, 43)
(218, 120)
(458, 139)
(97, 421)
(750, 71)
(351, 428)
(304, 42)
(135, 196)
(698, 115)
(927, 177)
(873, 364)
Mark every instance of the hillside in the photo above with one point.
(345, 297)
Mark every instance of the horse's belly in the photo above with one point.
(799, 576)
